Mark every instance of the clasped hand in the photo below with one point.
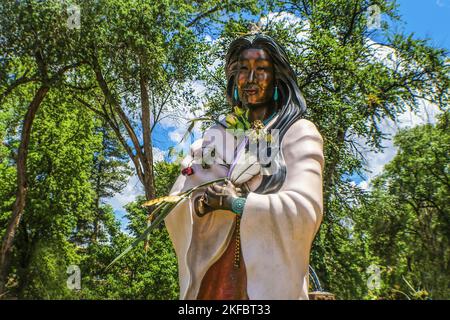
(218, 196)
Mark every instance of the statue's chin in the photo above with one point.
(253, 106)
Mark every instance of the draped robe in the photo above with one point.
(276, 230)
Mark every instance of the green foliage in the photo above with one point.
(165, 175)
(150, 274)
(60, 195)
(141, 274)
(7, 170)
(44, 275)
(411, 229)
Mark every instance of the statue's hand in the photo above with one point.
(218, 196)
(201, 208)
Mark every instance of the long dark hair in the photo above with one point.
(292, 103)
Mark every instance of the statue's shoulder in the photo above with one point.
(302, 128)
(303, 141)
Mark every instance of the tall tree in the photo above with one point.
(60, 196)
(110, 174)
(29, 32)
(412, 235)
(144, 57)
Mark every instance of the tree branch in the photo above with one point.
(22, 80)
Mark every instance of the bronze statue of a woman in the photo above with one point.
(250, 238)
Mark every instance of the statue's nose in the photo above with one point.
(251, 76)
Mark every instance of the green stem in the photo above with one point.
(165, 208)
(203, 185)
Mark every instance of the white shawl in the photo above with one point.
(277, 229)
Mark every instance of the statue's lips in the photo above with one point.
(250, 92)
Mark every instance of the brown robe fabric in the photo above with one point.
(223, 281)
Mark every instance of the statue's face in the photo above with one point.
(255, 78)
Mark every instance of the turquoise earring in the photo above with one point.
(236, 95)
(275, 94)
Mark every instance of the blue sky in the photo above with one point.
(425, 18)
(161, 138)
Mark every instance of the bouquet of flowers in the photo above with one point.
(239, 172)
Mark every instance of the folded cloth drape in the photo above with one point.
(276, 229)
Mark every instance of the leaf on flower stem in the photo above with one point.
(231, 120)
(162, 199)
(165, 209)
(238, 119)
(239, 111)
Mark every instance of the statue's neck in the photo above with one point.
(261, 112)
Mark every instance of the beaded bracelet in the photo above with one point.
(237, 205)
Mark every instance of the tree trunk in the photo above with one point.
(19, 204)
(147, 164)
(143, 157)
(97, 198)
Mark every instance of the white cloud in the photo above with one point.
(280, 17)
(128, 194)
(158, 155)
(180, 114)
(176, 135)
(364, 185)
(443, 3)
(289, 20)
(208, 38)
(384, 54)
(426, 113)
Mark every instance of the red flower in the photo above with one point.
(187, 171)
